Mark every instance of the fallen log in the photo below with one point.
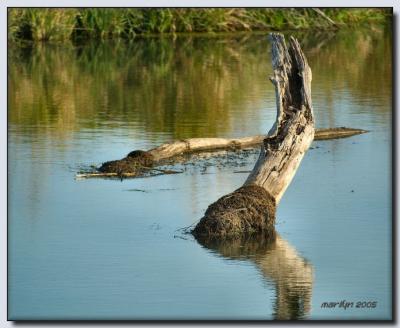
(251, 208)
(138, 161)
(193, 145)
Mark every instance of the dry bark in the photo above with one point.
(193, 145)
(282, 151)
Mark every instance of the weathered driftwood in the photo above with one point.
(138, 161)
(192, 145)
(251, 208)
(279, 262)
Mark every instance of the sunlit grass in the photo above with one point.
(42, 24)
(45, 24)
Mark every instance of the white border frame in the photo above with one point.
(149, 3)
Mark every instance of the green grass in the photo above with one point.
(54, 24)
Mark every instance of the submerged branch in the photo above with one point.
(337, 133)
(121, 175)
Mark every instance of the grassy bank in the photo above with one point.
(40, 24)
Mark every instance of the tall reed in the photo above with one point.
(55, 24)
(42, 24)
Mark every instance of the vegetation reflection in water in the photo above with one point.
(279, 262)
(163, 85)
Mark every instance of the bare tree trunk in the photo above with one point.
(252, 207)
(293, 131)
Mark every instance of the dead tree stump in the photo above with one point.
(251, 208)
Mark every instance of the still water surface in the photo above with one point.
(106, 249)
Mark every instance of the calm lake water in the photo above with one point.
(110, 249)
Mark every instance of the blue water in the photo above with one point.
(106, 249)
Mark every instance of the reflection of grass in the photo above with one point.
(184, 86)
(365, 56)
(60, 24)
(157, 81)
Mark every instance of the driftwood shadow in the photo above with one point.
(279, 262)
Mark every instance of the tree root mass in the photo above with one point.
(248, 210)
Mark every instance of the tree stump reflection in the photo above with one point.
(278, 262)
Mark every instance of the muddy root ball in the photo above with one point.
(248, 210)
(135, 162)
